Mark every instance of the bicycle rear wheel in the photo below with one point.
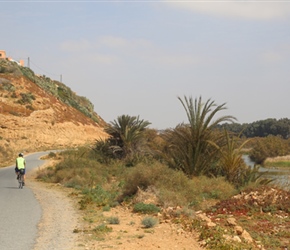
(20, 180)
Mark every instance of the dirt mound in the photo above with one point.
(259, 217)
(264, 199)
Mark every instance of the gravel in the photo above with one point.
(59, 218)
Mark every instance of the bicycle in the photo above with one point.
(21, 178)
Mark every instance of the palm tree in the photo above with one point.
(231, 163)
(127, 135)
(188, 145)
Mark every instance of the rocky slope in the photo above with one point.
(37, 113)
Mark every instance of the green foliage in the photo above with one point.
(214, 239)
(203, 189)
(262, 128)
(231, 163)
(270, 146)
(127, 139)
(141, 176)
(188, 145)
(277, 164)
(51, 155)
(149, 222)
(26, 98)
(29, 107)
(8, 67)
(104, 151)
(99, 196)
(171, 187)
(78, 169)
(6, 85)
(145, 208)
(106, 208)
(28, 73)
(102, 228)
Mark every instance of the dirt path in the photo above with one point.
(61, 217)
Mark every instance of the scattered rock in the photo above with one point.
(231, 221)
(247, 236)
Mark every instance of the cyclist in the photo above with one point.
(20, 165)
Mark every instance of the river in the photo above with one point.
(280, 176)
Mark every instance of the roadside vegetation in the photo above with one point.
(196, 166)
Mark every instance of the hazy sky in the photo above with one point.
(137, 57)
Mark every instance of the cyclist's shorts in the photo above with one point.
(22, 171)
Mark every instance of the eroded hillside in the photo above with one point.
(37, 113)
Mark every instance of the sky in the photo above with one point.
(137, 57)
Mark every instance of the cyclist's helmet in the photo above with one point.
(20, 155)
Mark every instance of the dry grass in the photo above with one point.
(277, 159)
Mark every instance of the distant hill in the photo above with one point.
(38, 113)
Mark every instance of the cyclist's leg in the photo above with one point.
(23, 178)
(17, 173)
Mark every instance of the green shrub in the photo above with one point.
(106, 208)
(6, 85)
(9, 67)
(174, 188)
(142, 176)
(270, 146)
(26, 98)
(145, 208)
(51, 155)
(99, 196)
(214, 188)
(102, 228)
(113, 220)
(149, 222)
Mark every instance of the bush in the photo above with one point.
(99, 196)
(106, 208)
(142, 176)
(145, 208)
(51, 155)
(113, 220)
(270, 146)
(149, 222)
(26, 98)
(174, 188)
(6, 85)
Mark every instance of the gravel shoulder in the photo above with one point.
(59, 218)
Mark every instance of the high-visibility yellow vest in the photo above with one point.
(20, 163)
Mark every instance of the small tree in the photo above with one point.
(231, 163)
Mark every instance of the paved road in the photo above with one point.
(19, 210)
